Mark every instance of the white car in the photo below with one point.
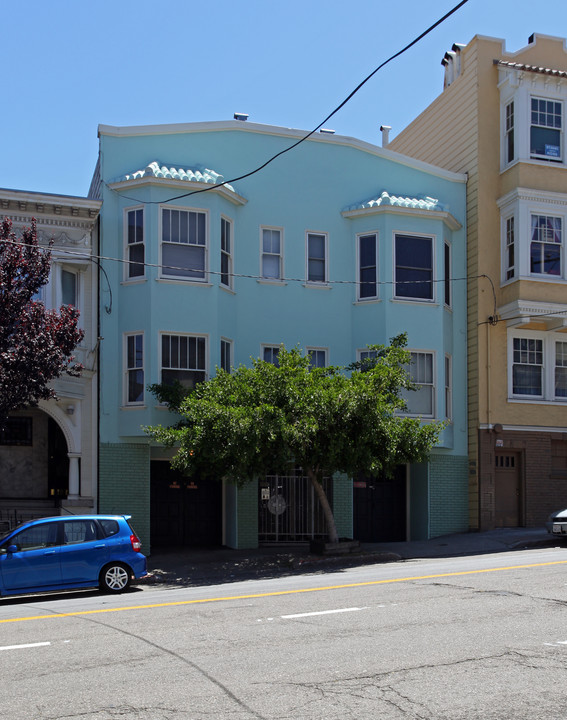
(557, 523)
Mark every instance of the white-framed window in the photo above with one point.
(527, 367)
(509, 145)
(421, 402)
(537, 366)
(271, 239)
(226, 354)
(532, 235)
(546, 126)
(546, 245)
(226, 274)
(69, 287)
(270, 354)
(183, 358)
(135, 249)
(510, 248)
(317, 356)
(134, 368)
(413, 267)
(316, 257)
(367, 252)
(560, 380)
(183, 244)
(448, 387)
(447, 276)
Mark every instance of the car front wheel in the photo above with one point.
(114, 578)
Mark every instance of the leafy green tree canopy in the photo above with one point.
(260, 419)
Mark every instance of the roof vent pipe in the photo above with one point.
(241, 116)
(385, 130)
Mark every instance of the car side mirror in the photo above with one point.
(12, 549)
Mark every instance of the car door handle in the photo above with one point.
(98, 547)
(49, 552)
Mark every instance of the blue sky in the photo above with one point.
(69, 65)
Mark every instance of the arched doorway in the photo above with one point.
(34, 467)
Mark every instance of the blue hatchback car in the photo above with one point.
(63, 553)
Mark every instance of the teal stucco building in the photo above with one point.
(333, 246)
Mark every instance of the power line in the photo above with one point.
(159, 266)
(493, 320)
(309, 134)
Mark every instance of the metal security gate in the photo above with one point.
(289, 511)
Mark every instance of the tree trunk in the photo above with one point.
(329, 517)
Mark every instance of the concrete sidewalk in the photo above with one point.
(185, 567)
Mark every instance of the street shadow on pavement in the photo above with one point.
(174, 571)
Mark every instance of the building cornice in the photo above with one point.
(531, 195)
(292, 133)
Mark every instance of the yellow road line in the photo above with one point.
(281, 592)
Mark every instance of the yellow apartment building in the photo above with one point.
(501, 119)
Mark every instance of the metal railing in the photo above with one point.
(289, 510)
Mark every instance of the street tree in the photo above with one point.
(261, 419)
(36, 344)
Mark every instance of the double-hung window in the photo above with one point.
(317, 357)
(367, 266)
(183, 358)
(527, 367)
(135, 252)
(448, 387)
(184, 244)
(538, 365)
(414, 267)
(226, 253)
(134, 368)
(271, 254)
(545, 129)
(546, 243)
(422, 400)
(316, 258)
(270, 354)
(510, 249)
(509, 133)
(561, 369)
(447, 277)
(226, 355)
(69, 288)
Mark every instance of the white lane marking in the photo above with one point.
(323, 612)
(27, 645)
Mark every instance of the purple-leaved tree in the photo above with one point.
(36, 344)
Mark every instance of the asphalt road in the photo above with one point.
(458, 638)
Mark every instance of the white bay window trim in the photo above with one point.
(133, 354)
(532, 118)
(134, 244)
(183, 357)
(184, 244)
(422, 370)
(533, 227)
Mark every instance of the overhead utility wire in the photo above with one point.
(305, 137)
(97, 258)
(493, 320)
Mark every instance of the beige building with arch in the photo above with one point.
(48, 454)
(501, 118)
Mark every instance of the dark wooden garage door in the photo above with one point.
(379, 506)
(183, 511)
